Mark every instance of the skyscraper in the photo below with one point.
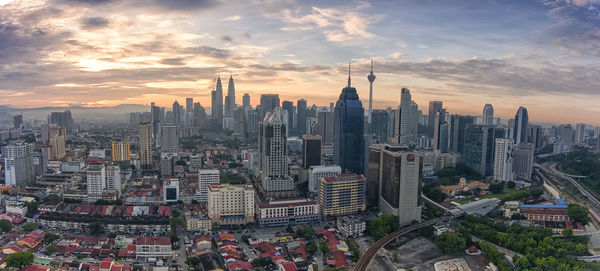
(17, 121)
(63, 119)
(120, 151)
(273, 155)
(434, 108)
(206, 177)
(488, 114)
(371, 77)
(325, 126)
(379, 125)
(145, 138)
(440, 132)
(156, 117)
(301, 117)
(404, 110)
(189, 105)
(230, 105)
(521, 124)
(565, 132)
(399, 181)
(534, 136)
(348, 130)
(311, 155)
(479, 147)
(579, 133)
(246, 100)
(18, 164)
(288, 106)
(523, 161)
(342, 194)
(217, 103)
(170, 139)
(457, 131)
(58, 146)
(268, 102)
(503, 160)
(113, 177)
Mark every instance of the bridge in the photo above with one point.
(365, 259)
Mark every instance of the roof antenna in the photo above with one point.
(348, 74)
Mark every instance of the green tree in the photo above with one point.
(567, 232)
(382, 226)
(289, 229)
(176, 222)
(511, 184)
(451, 242)
(307, 232)
(193, 261)
(311, 248)
(96, 227)
(50, 237)
(578, 213)
(30, 226)
(522, 263)
(19, 260)
(51, 249)
(496, 188)
(323, 247)
(5, 225)
(427, 231)
(260, 262)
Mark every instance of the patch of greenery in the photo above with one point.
(382, 226)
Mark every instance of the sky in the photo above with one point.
(541, 54)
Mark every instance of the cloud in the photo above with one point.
(337, 25)
(247, 35)
(226, 38)
(233, 18)
(94, 23)
(208, 51)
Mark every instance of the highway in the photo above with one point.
(365, 259)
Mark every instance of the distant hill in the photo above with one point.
(117, 112)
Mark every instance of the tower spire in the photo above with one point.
(348, 74)
(371, 66)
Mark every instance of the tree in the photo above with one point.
(112, 235)
(50, 237)
(307, 232)
(451, 242)
(289, 229)
(323, 247)
(193, 261)
(427, 231)
(496, 188)
(578, 213)
(96, 227)
(19, 260)
(176, 222)
(567, 232)
(311, 248)
(511, 184)
(260, 262)
(383, 225)
(5, 225)
(522, 263)
(30, 226)
(51, 249)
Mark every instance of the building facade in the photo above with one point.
(316, 173)
(231, 204)
(206, 177)
(342, 194)
(503, 160)
(120, 151)
(287, 212)
(145, 138)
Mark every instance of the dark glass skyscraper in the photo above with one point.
(348, 129)
(521, 124)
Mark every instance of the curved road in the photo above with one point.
(364, 260)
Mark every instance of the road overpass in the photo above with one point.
(366, 258)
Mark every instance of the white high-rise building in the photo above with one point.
(231, 204)
(503, 160)
(18, 164)
(273, 157)
(169, 139)
(206, 177)
(113, 178)
(96, 182)
(315, 173)
(488, 115)
(404, 110)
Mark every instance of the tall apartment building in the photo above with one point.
(58, 146)
(206, 177)
(398, 174)
(96, 182)
(120, 151)
(18, 164)
(523, 161)
(273, 155)
(169, 139)
(325, 126)
(316, 173)
(231, 204)
(503, 160)
(113, 177)
(342, 194)
(145, 136)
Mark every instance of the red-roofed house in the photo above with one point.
(29, 241)
(287, 266)
(153, 247)
(35, 268)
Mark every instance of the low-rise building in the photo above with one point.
(198, 223)
(540, 213)
(351, 226)
(153, 247)
(287, 212)
(452, 190)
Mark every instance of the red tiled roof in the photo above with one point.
(155, 240)
(289, 266)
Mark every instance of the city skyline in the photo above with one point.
(440, 51)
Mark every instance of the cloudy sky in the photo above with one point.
(541, 54)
